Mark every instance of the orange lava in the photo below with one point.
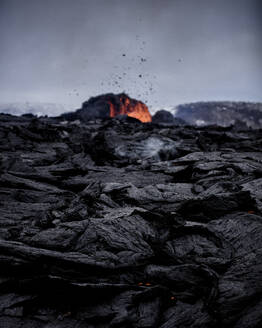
(130, 107)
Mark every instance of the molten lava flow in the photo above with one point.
(130, 107)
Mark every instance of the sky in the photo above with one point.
(163, 52)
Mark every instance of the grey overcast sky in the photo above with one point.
(163, 52)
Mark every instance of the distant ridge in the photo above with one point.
(222, 113)
(36, 108)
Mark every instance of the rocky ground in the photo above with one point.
(116, 223)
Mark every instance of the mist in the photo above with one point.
(161, 52)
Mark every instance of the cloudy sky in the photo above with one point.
(164, 52)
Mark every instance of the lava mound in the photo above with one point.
(111, 105)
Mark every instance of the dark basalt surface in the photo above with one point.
(116, 223)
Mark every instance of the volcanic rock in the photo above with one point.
(110, 105)
(163, 116)
(115, 223)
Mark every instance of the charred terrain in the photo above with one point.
(118, 223)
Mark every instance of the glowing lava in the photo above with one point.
(111, 105)
(123, 105)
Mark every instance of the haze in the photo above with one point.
(161, 52)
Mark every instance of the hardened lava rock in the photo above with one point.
(116, 223)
